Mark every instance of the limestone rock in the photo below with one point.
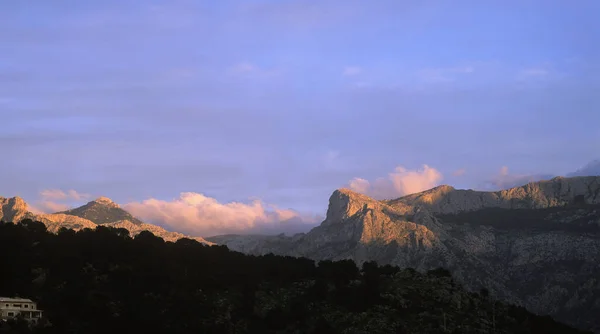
(558, 191)
(102, 211)
(12, 209)
(537, 245)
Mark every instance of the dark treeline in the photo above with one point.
(102, 281)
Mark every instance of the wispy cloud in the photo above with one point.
(447, 74)
(532, 73)
(5, 100)
(243, 67)
(54, 200)
(590, 169)
(330, 158)
(352, 70)
(398, 183)
(250, 69)
(505, 180)
(298, 15)
(57, 194)
(459, 172)
(539, 71)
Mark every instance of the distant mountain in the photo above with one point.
(537, 245)
(102, 211)
(591, 169)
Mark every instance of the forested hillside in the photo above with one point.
(102, 281)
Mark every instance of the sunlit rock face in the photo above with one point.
(12, 209)
(537, 245)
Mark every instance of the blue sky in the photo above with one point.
(285, 101)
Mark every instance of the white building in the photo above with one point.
(11, 308)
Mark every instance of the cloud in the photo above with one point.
(505, 180)
(247, 68)
(398, 183)
(591, 169)
(55, 200)
(331, 159)
(40, 207)
(352, 70)
(459, 172)
(544, 70)
(5, 100)
(361, 84)
(243, 67)
(57, 194)
(534, 72)
(197, 214)
(447, 74)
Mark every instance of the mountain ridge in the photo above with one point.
(536, 245)
(103, 211)
(558, 191)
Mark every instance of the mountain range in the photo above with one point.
(100, 212)
(537, 245)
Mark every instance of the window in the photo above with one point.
(26, 306)
(10, 314)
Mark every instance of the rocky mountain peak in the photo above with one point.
(105, 201)
(12, 209)
(344, 203)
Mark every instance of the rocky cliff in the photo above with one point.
(100, 212)
(537, 245)
(12, 209)
(559, 191)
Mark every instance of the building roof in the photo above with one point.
(15, 300)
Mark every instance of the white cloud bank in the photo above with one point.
(398, 183)
(199, 215)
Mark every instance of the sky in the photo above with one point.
(212, 117)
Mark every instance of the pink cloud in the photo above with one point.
(459, 172)
(398, 183)
(505, 180)
(55, 200)
(57, 194)
(47, 207)
(197, 214)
